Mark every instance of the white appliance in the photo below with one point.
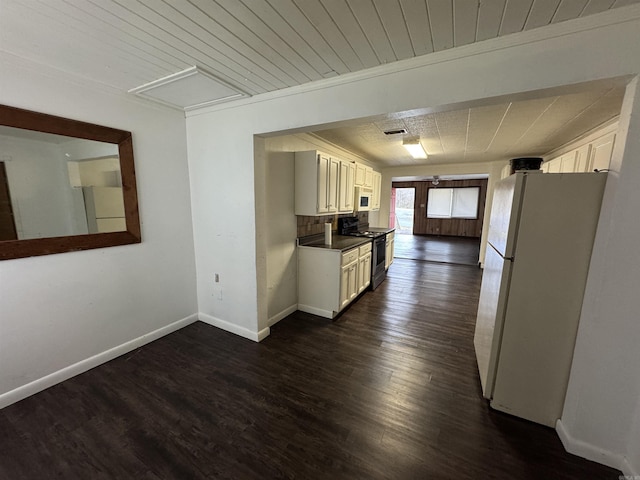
(363, 199)
(104, 207)
(541, 234)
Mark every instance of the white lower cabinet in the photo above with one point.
(328, 279)
(364, 267)
(388, 254)
(348, 284)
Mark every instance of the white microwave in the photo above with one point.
(363, 200)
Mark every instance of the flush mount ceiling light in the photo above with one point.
(189, 89)
(414, 147)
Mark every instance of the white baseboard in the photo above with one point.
(315, 311)
(230, 327)
(284, 313)
(591, 452)
(82, 366)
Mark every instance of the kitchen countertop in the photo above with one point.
(338, 242)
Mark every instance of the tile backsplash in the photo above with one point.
(315, 225)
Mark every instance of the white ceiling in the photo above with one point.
(483, 133)
(259, 46)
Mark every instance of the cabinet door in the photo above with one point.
(353, 280)
(360, 175)
(323, 186)
(364, 272)
(601, 151)
(388, 254)
(351, 186)
(345, 189)
(344, 286)
(368, 177)
(377, 184)
(361, 270)
(332, 185)
(568, 162)
(367, 269)
(553, 166)
(582, 158)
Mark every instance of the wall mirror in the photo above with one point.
(65, 185)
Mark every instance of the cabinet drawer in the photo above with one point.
(390, 236)
(366, 248)
(350, 256)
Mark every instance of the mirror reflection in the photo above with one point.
(54, 186)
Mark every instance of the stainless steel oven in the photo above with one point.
(378, 272)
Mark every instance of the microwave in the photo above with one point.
(363, 199)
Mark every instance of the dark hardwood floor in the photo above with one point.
(387, 391)
(431, 248)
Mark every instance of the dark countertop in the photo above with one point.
(338, 242)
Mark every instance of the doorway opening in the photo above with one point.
(402, 209)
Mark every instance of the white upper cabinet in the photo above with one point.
(316, 183)
(568, 162)
(593, 154)
(601, 151)
(582, 158)
(377, 185)
(346, 186)
(360, 175)
(368, 177)
(326, 184)
(364, 176)
(332, 185)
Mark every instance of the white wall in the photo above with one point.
(59, 311)
(604, 387)
(221, 159)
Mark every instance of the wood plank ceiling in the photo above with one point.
(261, 46)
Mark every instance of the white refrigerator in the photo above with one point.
(541, 232)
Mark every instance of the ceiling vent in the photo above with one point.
(396, 132)
(189, 89)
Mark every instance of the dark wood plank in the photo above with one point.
(389, 390)
(429, 248)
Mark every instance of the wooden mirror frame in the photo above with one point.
(40, 122)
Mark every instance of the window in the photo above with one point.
(459, 202)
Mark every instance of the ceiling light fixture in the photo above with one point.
(414, 147)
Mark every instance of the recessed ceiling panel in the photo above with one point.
(189, 89)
